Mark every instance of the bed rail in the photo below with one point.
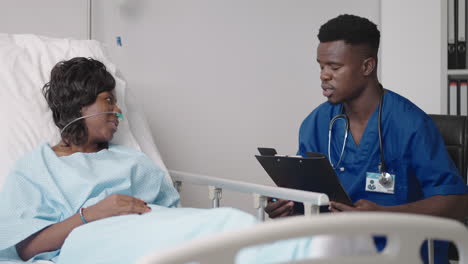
(312, 200)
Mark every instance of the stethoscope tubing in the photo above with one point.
(332, 122)
(382, 168)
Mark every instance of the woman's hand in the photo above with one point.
(279, 208)
(52, 237)
(115, 204)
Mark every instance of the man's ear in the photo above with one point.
(369, 66)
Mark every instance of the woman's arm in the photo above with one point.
(48, 239)
(52, 237)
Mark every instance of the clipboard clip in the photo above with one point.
(267, 151)
(272, 152)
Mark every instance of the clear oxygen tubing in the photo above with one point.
(119, 116)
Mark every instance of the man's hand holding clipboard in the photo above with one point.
(313, 173)
(361, 205)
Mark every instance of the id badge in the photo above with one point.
(373, 184)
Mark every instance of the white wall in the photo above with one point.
(413, 56)
(217, 79)
(53, 18)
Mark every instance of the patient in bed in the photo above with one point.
(87, 195)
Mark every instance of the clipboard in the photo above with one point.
(312, 173)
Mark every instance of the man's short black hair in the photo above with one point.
(353, 30)
(73, 84)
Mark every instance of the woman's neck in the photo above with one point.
(64, 149)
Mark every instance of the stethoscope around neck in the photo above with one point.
(385, 178)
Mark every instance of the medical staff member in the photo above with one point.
(387, 153)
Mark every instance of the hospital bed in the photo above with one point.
(25, 64)
(405, 234)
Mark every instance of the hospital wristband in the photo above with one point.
(82, 216)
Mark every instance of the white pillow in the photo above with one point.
(25, 65)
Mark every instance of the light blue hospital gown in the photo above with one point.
(44, 189)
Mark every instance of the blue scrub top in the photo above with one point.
(414, 152)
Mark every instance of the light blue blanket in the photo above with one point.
(44, 189)
(125, 239)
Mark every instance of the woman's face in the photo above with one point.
(101, 128)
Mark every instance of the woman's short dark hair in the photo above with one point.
(73, 84)
(353, 30)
